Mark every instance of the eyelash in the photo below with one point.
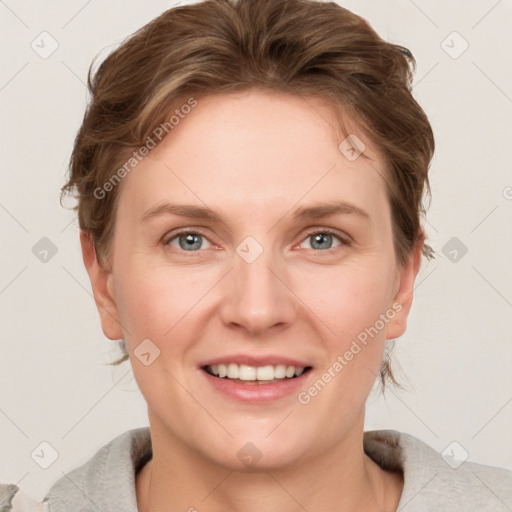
(344, 241)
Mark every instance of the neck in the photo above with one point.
(345, 479)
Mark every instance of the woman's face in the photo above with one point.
(224, 254)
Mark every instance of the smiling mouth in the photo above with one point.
(255, 375)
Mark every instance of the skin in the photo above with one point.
(254, 157)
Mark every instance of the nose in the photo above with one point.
(257, 296)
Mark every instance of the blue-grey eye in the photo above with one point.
(322, 240)
(188, 241)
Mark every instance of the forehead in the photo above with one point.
(258, 151)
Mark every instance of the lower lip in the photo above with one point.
(256, 393)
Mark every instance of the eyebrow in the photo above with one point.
(316, 211)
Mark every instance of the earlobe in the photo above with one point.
(101, 282)
(402, 301)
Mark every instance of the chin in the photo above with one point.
(257, 453)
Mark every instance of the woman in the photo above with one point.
(249, 177)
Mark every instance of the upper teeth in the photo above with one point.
(245, 372)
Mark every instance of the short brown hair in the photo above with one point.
(302, 47)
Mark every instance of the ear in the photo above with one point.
(403, 298)
(101, 282)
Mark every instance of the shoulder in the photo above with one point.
(13, 499)
(108, 479)
(439, 481)
(7, 493)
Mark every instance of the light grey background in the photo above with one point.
(55, 383)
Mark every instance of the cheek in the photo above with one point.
(351, 305)
(350, 299)
(153, 299)
(350, 302)
(160, 305)
(156, 302)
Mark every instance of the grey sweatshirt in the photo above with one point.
(432, 482)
